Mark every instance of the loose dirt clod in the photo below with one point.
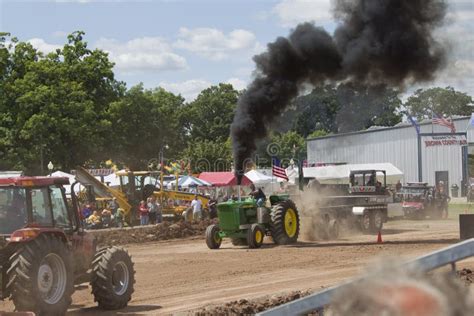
(466, 275)
(139, 234)
(250, 307)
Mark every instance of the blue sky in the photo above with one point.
(185, 46)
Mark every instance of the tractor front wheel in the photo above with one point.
(112, 278)
(40, 277)
(255, 236)
(285, 223)
(213, 239)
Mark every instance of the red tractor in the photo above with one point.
(45, 252)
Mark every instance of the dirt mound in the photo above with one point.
(140, 234)
(466, 275)
(250, 307)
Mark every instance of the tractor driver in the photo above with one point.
(258, 195)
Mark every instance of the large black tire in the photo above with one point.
(376, 221)
(239, 241)
(285, 233)
(255, 236)
(112, 278)
(365, 223)
(41, 276)
(213, 240)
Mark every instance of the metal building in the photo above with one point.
(441, 154)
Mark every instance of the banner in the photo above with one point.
(448, 140)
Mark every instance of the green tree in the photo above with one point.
(317, 111)
(54, 106)
(364, 106)
(443, 101)
(287, 145)
(318, 133)
(209, 116)
(341, 108)
(143, 121)
(206, 155)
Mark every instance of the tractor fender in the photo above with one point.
(31, 233)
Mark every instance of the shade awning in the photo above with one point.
(340, 173)
(222, 179)
(258, 178)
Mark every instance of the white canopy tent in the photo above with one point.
(340, 174)
(188, 182)
(71, 178)
(258, 178)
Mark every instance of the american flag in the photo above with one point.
(277, 170)
(437, 119)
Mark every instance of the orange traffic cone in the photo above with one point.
(379, 238)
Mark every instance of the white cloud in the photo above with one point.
(237, 83)
(189, 89)
(292, 12)
(214, 44)
(142, 54)
(42, 46)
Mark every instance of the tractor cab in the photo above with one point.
(372, 182)
(138, 185)
(33, 202)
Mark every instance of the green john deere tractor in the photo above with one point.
(245, 223)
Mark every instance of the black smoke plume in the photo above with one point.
(377, 42)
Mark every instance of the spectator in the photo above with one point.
(94, 221)
(106, 218)
(86, 212)
(398, 186)
(143, 210)
(196, 204)
(113, 206)
(119, 217)
(443, 199)
(152, 210)
(159, 212)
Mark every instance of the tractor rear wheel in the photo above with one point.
(255, 236)
(376, 221)
(239, 241)
(213, 239)
(40, 277)
(112, 278)
(285, 223)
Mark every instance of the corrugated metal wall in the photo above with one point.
(397, 146)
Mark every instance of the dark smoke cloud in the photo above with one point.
(377, 42)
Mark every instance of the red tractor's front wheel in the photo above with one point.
(113, 278)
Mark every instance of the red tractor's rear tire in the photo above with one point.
(112, 278)
(41, 276)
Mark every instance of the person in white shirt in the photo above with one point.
(196, 204)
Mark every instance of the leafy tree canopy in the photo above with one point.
(443, 101)
(209, 116)
(54, 106)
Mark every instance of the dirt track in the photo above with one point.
(182, 275)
